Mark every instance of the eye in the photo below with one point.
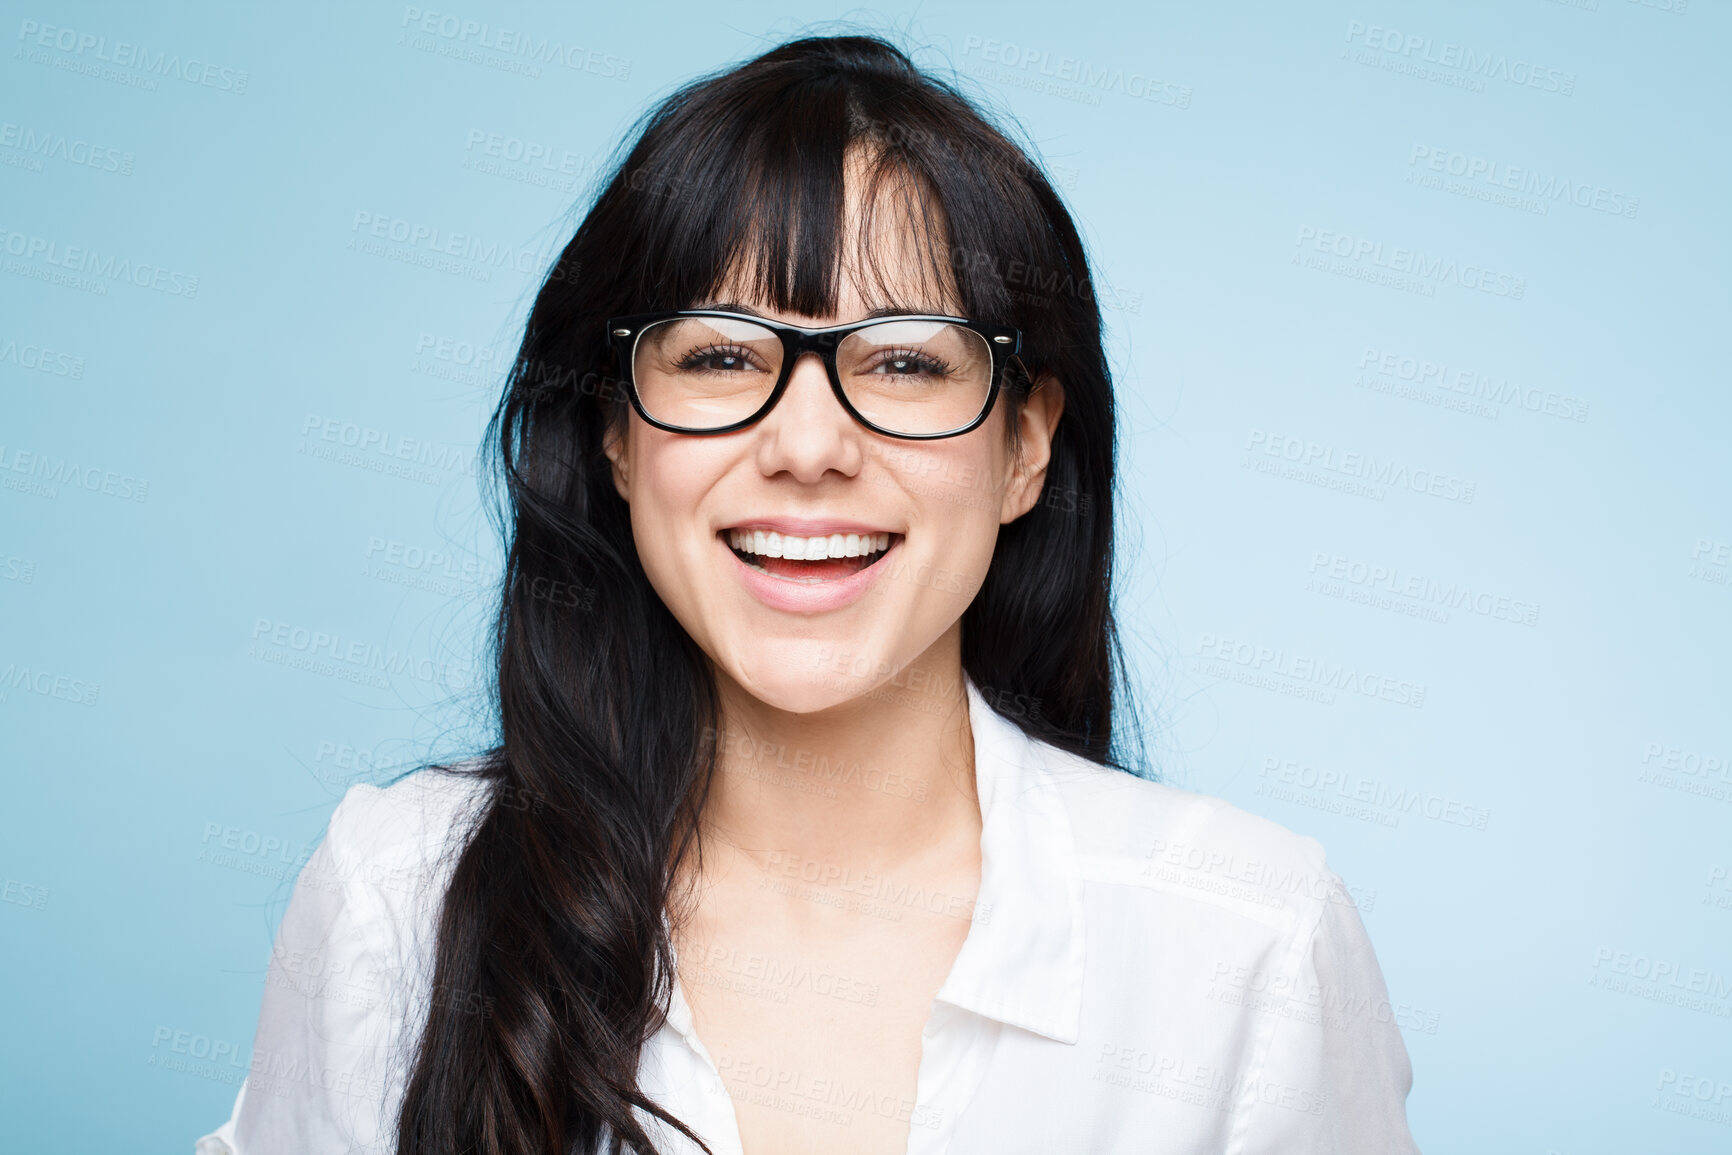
(911, 363)
(716, 359)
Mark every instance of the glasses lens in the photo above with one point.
(916, 376)
(705, 372)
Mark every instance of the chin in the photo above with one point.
(806, 676)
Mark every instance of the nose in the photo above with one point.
(808, 433)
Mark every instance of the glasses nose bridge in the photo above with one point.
(821, 345)
(796, 346)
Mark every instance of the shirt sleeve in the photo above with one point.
(1336, 1076)
(319, 1080)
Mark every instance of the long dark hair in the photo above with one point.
(554, 918)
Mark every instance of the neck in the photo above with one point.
(881, 782)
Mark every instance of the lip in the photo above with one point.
(808, 526)
(813, 597)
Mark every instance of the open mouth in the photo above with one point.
(808, 559)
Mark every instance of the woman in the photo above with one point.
(807, 831)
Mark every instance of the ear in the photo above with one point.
(1036, 422)
(613, 443)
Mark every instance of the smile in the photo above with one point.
(808, 560)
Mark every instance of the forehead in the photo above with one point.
(892, 252)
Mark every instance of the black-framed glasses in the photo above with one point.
(917, 376)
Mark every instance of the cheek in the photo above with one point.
(955, 497)
(670, 477)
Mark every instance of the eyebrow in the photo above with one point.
(881, 311)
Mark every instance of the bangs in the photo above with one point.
(886, 236)
(775, 194)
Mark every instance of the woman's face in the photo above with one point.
(804, 635)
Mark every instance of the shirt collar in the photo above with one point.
(1022, 962)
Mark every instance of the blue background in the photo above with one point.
(1530, 842)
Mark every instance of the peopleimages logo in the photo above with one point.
(1422, 588)
(90, 262)
(1409, 262)
(1294, 672)
(45, 145)
(1417, 51)
(382, 450)
(41, 359)
(1395, 800)
(350, 659)
(430, 241)
(1470, 383)
(514, 43)
(81, 50)
(45, 472)
(1353, 468)
(1662, 980)
(48, 684)
(1499, 175)
(1073, 78)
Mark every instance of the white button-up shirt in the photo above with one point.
(1147, 970)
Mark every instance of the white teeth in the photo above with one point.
(769, 543)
